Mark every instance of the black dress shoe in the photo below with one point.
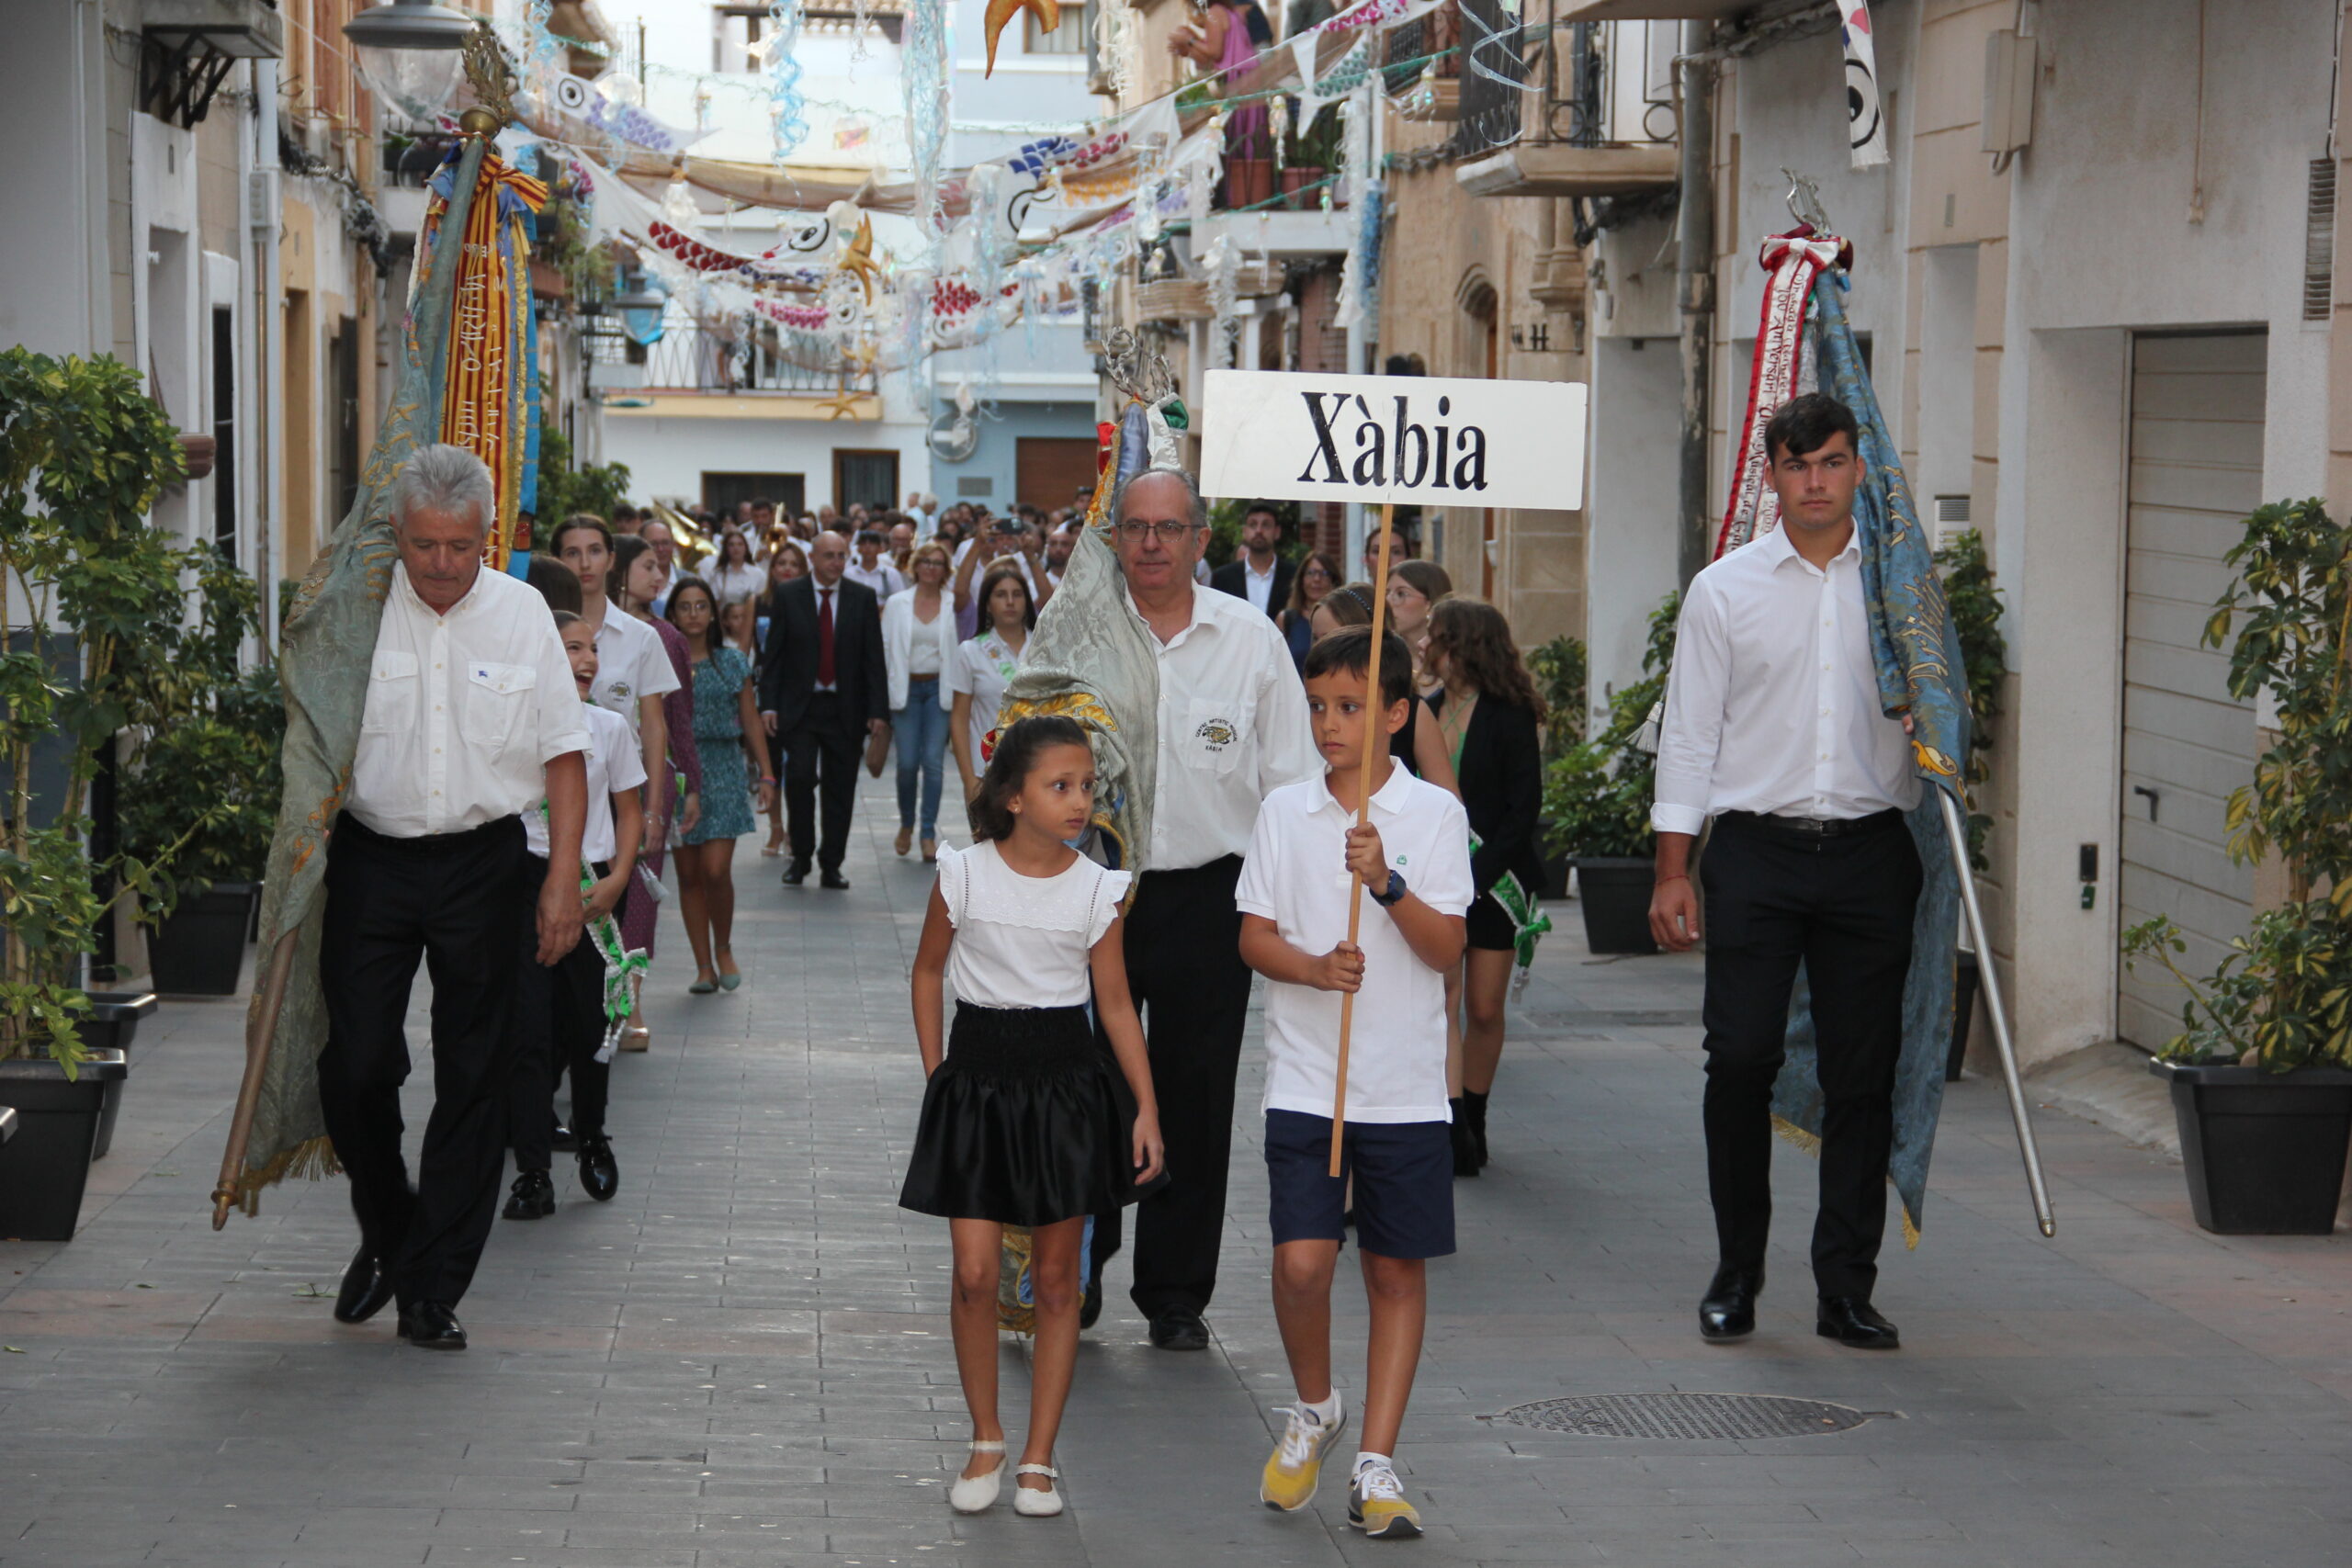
(366, 1286)
(563, 1139)
(1178, 1329)
(533, 1197)
(1728, 1311)
(796, 874)
(1855, 1324)
(1089, 1307)
(429, 1326)
(599, 1177)
(833, 881)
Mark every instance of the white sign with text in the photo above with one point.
(1299, 435)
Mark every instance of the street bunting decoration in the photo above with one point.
(1403, 440)
(1865, 117)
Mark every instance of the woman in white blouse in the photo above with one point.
(734, 575)
(918, 644)
(984, 666)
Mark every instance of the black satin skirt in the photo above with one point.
(1025, 1123)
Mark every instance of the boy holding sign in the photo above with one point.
(1412, 857)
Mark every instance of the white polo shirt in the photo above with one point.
(630, 663)
(464, 710)
(1232, 729)
(614, 764)
(1297, 876)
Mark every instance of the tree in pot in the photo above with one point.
(2261, 1073)
(90, 627)
(1597, 803)
(207, 780)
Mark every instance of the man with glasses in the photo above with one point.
(1232, 727)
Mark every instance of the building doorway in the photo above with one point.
(2195, 471)
(865, 476)
(721, 494)
(1049, 469)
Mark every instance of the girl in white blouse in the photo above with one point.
(1022, 1119)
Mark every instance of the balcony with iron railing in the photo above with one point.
(691, 357)
(1540, 106)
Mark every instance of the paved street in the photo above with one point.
(744, 1358)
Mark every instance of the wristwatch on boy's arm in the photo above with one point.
(1388, 897)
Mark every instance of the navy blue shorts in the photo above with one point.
(1404, 1175)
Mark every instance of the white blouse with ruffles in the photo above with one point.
(1023, 941)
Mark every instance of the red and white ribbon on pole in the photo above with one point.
(1794, 260)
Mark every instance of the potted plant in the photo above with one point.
(1975, 603)
(207, 782)
(1559, 668)
(1597, 805)
(2258, 1073)
(90, 610)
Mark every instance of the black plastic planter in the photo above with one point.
(45, 1168)
(2265, 1151)
(1615, 893)
(1963, 1012)
(198, 950)
(112, 1021)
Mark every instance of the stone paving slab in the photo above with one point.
(744, 1360)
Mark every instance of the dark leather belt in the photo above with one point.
(1813, 830)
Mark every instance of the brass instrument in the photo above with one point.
(694, 547)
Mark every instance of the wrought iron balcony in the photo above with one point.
(690, 357)
(1537, 108)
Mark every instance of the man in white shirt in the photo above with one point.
(471, 720)
(657, 533)
(872, 567)
(1773, 729)
(1232, 727)
(1257, 573)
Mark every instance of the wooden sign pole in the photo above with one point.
(1374, 744)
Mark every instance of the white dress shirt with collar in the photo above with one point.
(1261, 585)
(464, 710)
(1772, 703)
(630, 663)
(882, 577)
(1233, 728)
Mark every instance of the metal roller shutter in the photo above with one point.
(2196, 471)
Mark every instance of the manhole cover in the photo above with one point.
(1691, 1416)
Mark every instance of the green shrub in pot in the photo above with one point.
(91, 644)
(2282, 997)
(1596, 793)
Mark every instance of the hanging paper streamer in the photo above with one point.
(1865, 120)
(1000, 11)
(789, 124)
(487, 402)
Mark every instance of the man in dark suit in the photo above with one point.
(823, 688)
(1258, 574)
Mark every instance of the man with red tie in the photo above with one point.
(823, 688)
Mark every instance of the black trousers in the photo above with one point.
(826, 743)
(559, 1023)
(1842, 907)
(1184, 968)
(448, 900)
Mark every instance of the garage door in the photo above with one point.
(2196, 471)
(1051, 469)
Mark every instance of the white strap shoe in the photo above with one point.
(977, 1494)
(1030, 1502)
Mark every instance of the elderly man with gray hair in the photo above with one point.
(471, 720)
(1232, 727)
